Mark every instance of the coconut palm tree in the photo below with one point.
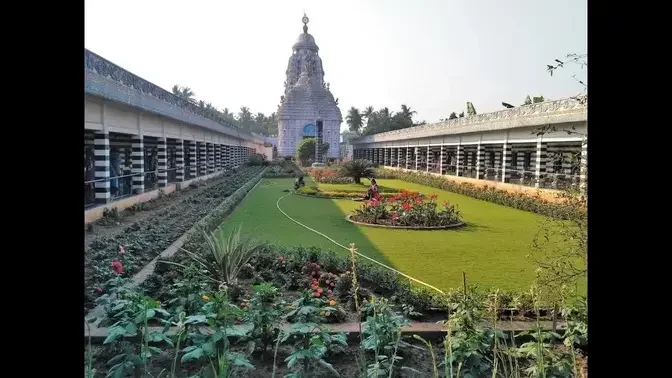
(184, 93)
(354, 120)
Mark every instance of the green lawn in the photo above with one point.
(492, 249)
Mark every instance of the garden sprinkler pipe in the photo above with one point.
(277, 204)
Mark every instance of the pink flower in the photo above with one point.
(99, 290)
(395, 215)
(121, 250)
(117, 267)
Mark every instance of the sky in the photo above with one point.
(432, 55)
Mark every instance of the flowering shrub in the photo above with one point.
(568, 210)
(314, 191)
(322, 286)
(407, 209)
(328, 175)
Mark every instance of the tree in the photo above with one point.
(244, 118)
(528, 101)
(354, 120)
(452, 115)
(461, 114)
(184, 93)
(357, 169)
(560, 247)
(305, 152)
(537, 99)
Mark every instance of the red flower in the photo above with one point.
(395, 215)
(316, 294)
(406, 206)
(320, 290)
(117, 267)
(419, 200)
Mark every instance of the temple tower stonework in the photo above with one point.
(308, 108)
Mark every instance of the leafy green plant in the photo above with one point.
(214, 344)
(311, 339)
(187, 291)
(128, 313)
(265, 313)
(382, 335)
(357, 169)
(228, 255)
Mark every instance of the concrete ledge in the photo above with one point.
(550, 195)
(426, 330)
(92, 215)
(428, 228)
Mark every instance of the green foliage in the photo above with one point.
(357, 169)
(571, 208)
(219, 314)
(354, 120)
(384, 120)
(311, 340)
(305, 152)
(228, 255)
(187, 291)
(145, 239)
(128, 312)
(265, 314)
(257, 159)
(382, 335)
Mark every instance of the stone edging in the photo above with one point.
(429, 228)
(425, 329)
(147, 270)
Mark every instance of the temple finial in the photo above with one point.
(305, 20)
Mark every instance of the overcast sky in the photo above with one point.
(432, 55)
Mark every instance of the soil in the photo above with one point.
(146, 230)
(415, 357)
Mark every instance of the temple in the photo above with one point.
(308, 108)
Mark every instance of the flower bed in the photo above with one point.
(408, 210)
(144, 240)
(307, 288)
(327, 175)
(570, 209)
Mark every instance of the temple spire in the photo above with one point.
(305, 20)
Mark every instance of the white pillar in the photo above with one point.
(138, 169)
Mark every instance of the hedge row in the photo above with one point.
(570, 209)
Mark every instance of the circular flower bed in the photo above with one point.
(407, 210)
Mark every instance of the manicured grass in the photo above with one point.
(492, 249)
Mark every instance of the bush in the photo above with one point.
(357, 169)
(570, 209)
(257, 159)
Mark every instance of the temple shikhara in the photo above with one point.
(307, 109)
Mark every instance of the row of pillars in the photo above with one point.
(215, 157)
(413, 161)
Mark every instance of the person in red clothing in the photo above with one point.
(373, 193)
